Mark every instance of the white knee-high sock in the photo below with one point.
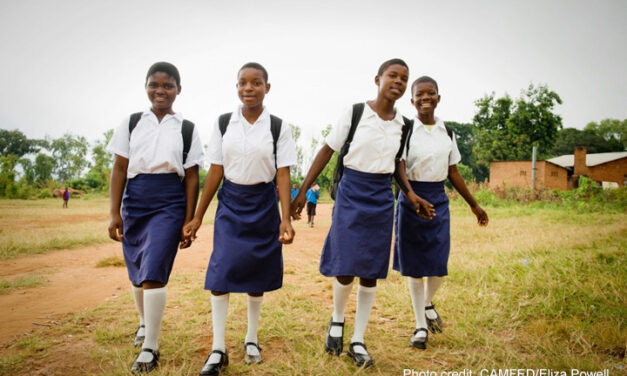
(417, 292)
(365, 300)
(219, 309)
(154, 305)
(138, 297)
(254, 311)
(340, 298)
(431, 286)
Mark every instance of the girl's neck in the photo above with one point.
(427, 119)
(160, 114)
(383, 107)
(251, 114)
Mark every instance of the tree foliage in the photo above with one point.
(16, 143)
(611, 130)
(69, 153)
(506, 129)
(568, 138)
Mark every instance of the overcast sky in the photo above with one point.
(79, 66)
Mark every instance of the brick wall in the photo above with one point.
(518, 174)
(611, 171)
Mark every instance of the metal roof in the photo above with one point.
(593, 159)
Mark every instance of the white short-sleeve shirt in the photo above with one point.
(246, 150)
(430, 153)
(155, 148)
(374, 145)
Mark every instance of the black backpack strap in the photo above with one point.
(187, 130)
(358, 111)
(223, 122)
(275, 128)
(449, 131)
(132, 122)
(408, 126)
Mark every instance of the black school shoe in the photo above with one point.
(434, 325)
(139, 340)
(361, 360)
(419, 343)
(213, 369)
(334, 345)
(250, 359)
(146, 367)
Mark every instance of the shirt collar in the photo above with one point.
(265, 115)
(438, 122)
(177, 115)
(368, 112)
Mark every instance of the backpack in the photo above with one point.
(275, 129)
(187, 131)
(358, 110)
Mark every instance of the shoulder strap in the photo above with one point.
(132, 123)
(408, 126)
(275, 128)
(223, 122)
(449, 131)
(358, 111)
(187, 130)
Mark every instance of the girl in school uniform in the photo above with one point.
(160, 196)
(358, 242)
(422, 243)
(248, 231)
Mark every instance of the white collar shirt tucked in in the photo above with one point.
(155, 147)
(374, 145)
(246, 150)
(430, 153)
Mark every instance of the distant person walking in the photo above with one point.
(313, 193)
(66, 197)
(294, 191)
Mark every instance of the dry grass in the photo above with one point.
(537, 288)
(111, 262)
(23, 282)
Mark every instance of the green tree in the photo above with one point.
(506, 129)
(8, 188)
(297, 172)
(568, 138)
(465, 138)
(43, 167)
(611, 130)
(69, 153)
(98, 175)
(16, 143)
(325, 179)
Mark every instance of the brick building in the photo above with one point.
(562, 172)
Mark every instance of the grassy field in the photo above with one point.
(537, 288)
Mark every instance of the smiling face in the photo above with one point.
(425, 98)
(252, 87)
(162, 91)
(393, 82)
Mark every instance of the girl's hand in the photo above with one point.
(297, 206)
(286, 232)
(186, 241)
(188, 232)
(116, 227)
(482, 216)
(423, 208)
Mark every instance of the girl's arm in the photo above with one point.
(458, 182)
(116, 188)
(321, 160)
(286, 231)
(214, 176)
(191, 194)
(423, 207)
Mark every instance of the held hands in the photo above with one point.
(188, 233)
(286, 232)
(115, 228)
(424, 208)
(297, 206)
(482, 216)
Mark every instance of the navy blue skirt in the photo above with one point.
(153, 211)
(247, 255)
(421, 247)
(358, 243)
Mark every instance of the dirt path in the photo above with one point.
(75, 283)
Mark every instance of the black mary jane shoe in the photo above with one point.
(146, 367)
(434, 325)
(139, 340)
(334, 345)
(419, 343)
(252, 359)
(361, 360)
(213, 369)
